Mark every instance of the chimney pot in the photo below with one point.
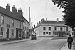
(8, 7)
(57, 19)
(20, 11)
(14, 10)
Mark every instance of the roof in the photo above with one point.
(53, 22)
(10, 14)
(50, 22)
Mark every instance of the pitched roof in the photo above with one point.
(10, 14)
(53, 22)
(50, 22)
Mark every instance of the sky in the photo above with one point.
(38, 9)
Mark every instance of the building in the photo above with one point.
(11, 23)
(52, 28)
(25, 29)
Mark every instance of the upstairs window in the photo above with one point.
(2, 20)
(55, 28)
(1, 31)
(20, 24)
(44, 28)
(61, 28)
(49, 28)
(12, 23)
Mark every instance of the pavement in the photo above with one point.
(23, 40)
(15, 41)
(65, 47)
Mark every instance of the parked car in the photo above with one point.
(33, 37)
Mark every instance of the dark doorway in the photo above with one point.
(7, 32)
(16, 33)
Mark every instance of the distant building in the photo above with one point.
(52, 28)
(11, 23)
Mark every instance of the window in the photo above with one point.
(2, 20)
(46, 32)
(1, 31)
(55, 28)
(55, 33)
(12, 30)
(66, 28)
(25, 28)
(58, 28)
(43, 33)
(20, 24)
(44, 28)
(12, 23)
(49, 33)
(49, 28)
(61, 28)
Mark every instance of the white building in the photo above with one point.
(52, 28)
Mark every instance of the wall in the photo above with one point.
(8, 20)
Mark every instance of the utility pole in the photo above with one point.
(29, 17)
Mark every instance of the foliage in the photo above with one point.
(69, 10)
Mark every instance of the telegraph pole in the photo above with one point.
(29, 17)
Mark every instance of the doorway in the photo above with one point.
(7, 32)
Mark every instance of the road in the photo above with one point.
(40, 44)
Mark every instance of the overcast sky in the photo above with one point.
(39, 9)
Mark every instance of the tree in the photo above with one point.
(69, 10)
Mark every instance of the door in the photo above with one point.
(16, 33)
(7, 32)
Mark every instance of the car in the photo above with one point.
(33, 37)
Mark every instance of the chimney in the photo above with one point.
(14, 10)
(8, 7)
(46, 19)
(20, 11)
(42, 19)
(57, 19)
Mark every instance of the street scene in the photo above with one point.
(39, 44)
(37, 25)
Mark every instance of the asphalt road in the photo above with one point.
(40, 44)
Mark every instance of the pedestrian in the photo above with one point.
(70, 40)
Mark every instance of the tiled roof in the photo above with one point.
(10, 14)
(53, 22)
